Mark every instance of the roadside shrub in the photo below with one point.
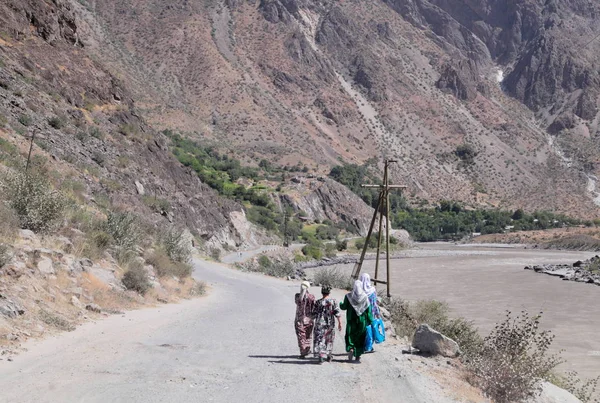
(177, 247)
(514, 359)
(215, 253)
(333, 277)
(124, 230)
(157, 204)
(584, 390)
(408, 316)
(312, 251)
(36, 203)
(198, 289)
(56, 321)
(5, 255)
(330, 250)
(341, 245)
(136, 279)
(278, 268)
(264, 261)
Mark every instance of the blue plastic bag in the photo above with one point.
(369, 339)
(378, 330)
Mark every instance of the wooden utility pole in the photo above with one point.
(30, 149)
(382, 208)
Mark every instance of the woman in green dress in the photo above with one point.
(358, 317)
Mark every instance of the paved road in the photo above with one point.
(242, 256)
(236, 344)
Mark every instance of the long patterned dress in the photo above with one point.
(303, 323)
(325, 312)
(356, 327)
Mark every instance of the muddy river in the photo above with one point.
(482, 283)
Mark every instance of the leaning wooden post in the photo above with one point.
(30, 149)
(358, 266)
(387, 230)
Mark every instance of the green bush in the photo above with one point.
(466, 153)
(25, 120)
(408, 316)
(5, 255)
(124, 230)
(514, 359)
(56, 122)
(157, 204)
(279, 268)
(334, 278)
(264, 262)
(215, 253)
(341, 245)
(312, 251)
(36, 203)
(177, 247)
(136, 279)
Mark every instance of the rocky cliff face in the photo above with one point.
(319, 82)
(324, 199)
(88, 126)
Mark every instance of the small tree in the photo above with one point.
(177, 246)
(37, 204)
(514, 359)
(136, 279)
(124, 230)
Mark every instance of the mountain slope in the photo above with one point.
(87, 126)
(316, 82)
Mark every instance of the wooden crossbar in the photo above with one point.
(384, 186)
(383, 209)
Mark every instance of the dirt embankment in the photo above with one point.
(584, 239)
(45, 289)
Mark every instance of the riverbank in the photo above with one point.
(481, 283)
(577, 239)
(587, 271)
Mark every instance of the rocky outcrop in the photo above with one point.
(581, 271)
(458, 81)
(9, 308)
(429, 341)
(325, 199)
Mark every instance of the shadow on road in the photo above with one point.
(274, 356)
(293, 359)
(297, 362)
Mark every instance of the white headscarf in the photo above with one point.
(366, 284)
(358, 298)
(304, 286)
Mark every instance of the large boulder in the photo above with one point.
(433, 342)
(553, 394)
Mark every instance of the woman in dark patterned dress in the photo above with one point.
(326, 312)
(303, 322)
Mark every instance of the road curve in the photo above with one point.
(235, 344)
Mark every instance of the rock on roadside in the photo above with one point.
(553, 394)
(430, 341)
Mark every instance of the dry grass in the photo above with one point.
(106, 297)
(165, 267)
